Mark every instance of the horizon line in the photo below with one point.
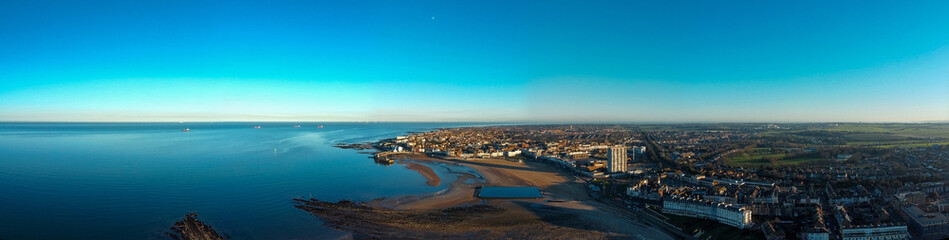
(504, 122)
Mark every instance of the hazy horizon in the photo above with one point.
(485, 61)
(493, 122)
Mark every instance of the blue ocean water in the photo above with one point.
(134, 180)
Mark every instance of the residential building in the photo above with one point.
(926, 225)
(728, 214)
(868, 225)
(875, 232)
(617, 159)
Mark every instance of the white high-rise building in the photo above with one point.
(617, 159)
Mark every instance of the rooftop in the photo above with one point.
(924, 218)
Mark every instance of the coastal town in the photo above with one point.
(733, 181)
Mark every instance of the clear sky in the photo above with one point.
(612, 61)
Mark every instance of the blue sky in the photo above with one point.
(609, 61)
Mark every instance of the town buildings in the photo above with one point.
(686, 172)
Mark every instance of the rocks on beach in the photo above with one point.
(190, 228)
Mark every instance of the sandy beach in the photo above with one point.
(427, 172)
(566, 201)
(495, 172)
(567, 211)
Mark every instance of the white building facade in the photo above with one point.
(728, 214)
(897, 232)
(617, 159)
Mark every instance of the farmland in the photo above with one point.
(895, 129)
(822, 143)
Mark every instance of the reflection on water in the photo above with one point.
(132, 181)
(449, 172)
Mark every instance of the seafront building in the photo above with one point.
(875, 232)
(728, 214)
(860, 228)
(617, 159)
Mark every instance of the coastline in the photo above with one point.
(567, 209)
(458, 193)
(491, 172)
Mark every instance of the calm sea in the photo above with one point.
(134, 180)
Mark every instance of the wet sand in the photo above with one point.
(493, 172)
(427, 172)
(471, 222)
(458, 193)
(566, 202)
(566, 212)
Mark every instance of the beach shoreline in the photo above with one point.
(567, 208)
(458, 193)
(432, 178)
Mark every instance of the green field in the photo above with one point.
(759, 156)
(898, 129)
(848, 135)
(900, 143)
(777, 132)
(800, 160)
(755, 154)
(883, 135)
(911, 145)
(873, 137)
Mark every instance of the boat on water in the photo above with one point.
(321, 126)
(296, 126)
(186, 130)
(256, 126)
